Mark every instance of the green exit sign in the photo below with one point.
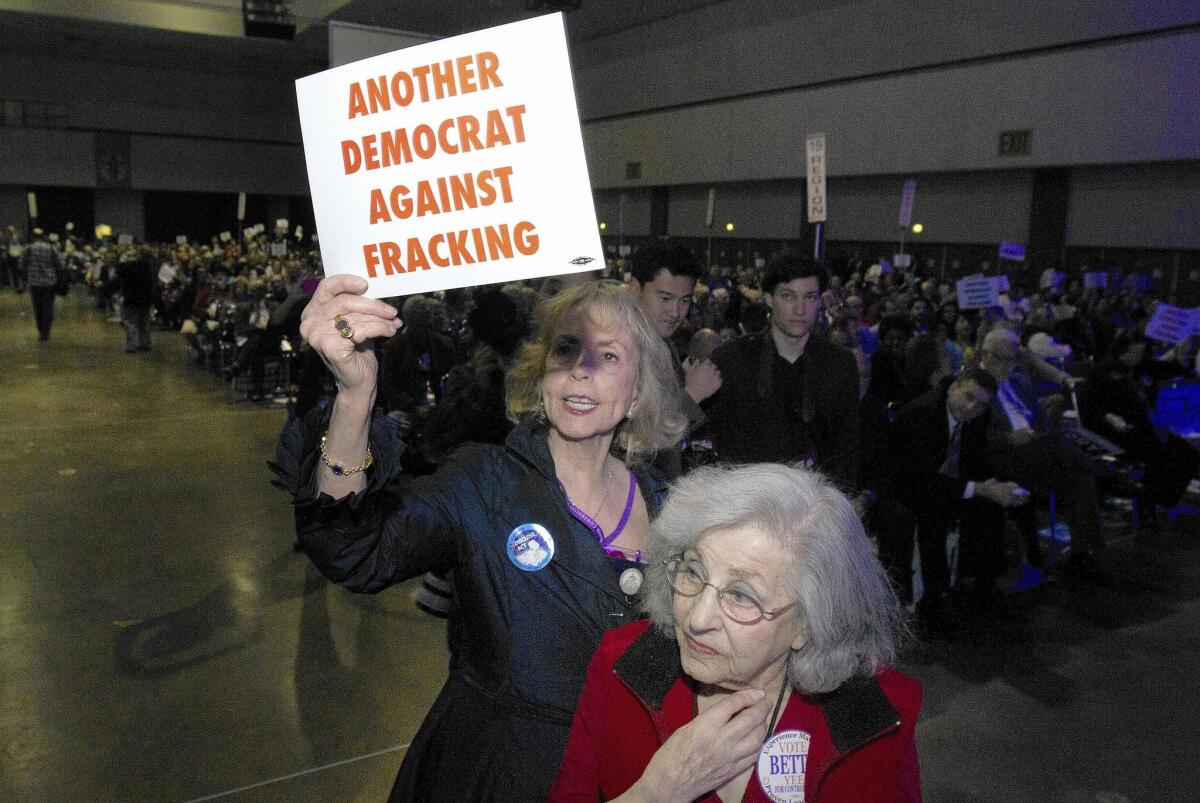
(1016, 143)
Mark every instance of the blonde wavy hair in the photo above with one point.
(658, 421)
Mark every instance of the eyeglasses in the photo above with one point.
(687, 578)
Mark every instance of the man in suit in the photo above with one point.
(663, 275)
(1026, 448)
(940, 472)
(788, 395)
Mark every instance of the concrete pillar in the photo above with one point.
(124, 210)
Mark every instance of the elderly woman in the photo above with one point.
(543, 536)
(763, 675)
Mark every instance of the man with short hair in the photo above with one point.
(664, 274)
(1026, 448)
(939, 470)
(788, 394)
(41, 264)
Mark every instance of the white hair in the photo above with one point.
(848, 610)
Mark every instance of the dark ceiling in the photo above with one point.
(47, 33)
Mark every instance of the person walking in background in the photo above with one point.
(136, 278)
(41, 264)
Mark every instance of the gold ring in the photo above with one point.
(340, 323)
(348, 332)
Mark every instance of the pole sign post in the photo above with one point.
(814, 147)
(454, 163)
(906, 203)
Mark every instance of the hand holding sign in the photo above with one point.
(350, 358)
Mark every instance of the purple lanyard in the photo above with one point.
(591, 524)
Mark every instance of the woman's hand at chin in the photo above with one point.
(718, 745)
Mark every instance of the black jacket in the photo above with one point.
(920, 437)
(523, 640)
(750, 422)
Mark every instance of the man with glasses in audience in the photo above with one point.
(1026, 448)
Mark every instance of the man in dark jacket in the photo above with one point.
(937, 458)
(136, 277)
(788, 395)
(663, 275)
(41, 264)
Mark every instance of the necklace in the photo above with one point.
(771, 725)
(604, 499)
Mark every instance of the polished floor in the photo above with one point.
(161, 641)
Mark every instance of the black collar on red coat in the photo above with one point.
(856, 711)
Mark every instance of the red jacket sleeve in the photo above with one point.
(579, 776)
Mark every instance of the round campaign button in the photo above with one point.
(530, 547)
(782, 765)
(631, 581)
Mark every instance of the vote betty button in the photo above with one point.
(783, 765)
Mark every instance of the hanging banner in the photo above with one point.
(906, 203)
(814, 148)
(454, 163)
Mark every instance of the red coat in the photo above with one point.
(861, 745)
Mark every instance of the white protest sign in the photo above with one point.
(814, 147)
(978, 292)
(279, 249)
(1173, 324)
(454, 163)
(906, 203)
(125, 239)
(166, 274)
(1001, 282)
(902, 260)
(226, 236)
(1097, 279)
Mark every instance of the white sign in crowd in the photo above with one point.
(1173, 324)
(458, 162)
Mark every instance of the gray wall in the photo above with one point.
(1126, 206)
(1125, 102)
(724, 96)
(748, 46)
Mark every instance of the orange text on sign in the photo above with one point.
(442, 79)
(452, 136)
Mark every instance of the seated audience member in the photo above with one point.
(1026, 447)
(939, 469)
(413, 362)
(887, 364)
(926, 364)
(763, 673)
(788, 394)
(702, 345)
(1116, 404)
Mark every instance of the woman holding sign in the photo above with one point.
(763, 675)
(544, 537)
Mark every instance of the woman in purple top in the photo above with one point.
(542, 536)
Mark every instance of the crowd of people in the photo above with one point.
(574, 462)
